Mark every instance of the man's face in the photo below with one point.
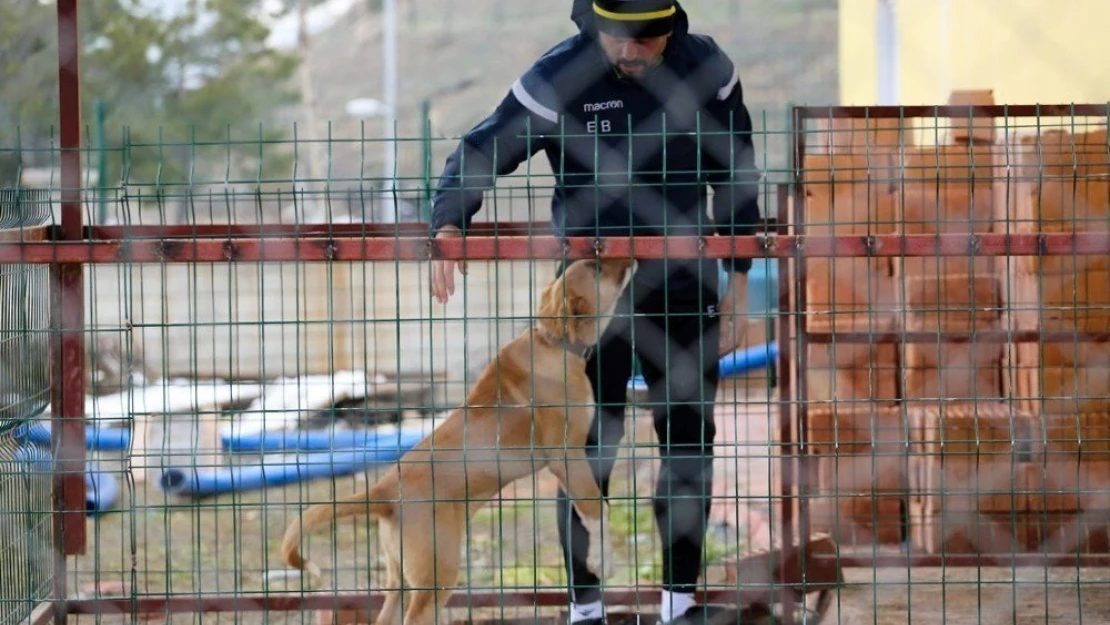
(633, 56)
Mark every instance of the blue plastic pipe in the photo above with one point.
(300, 440)
(736, 363)
(745, 360)
(96, 438)
(101, 488)
(739, 361)
(198, 482)
(40, 459)
(101, 491)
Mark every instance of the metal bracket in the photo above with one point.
(974, 244)
(871, 242)
(767, 244)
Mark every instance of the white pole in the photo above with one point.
(389, 43)
(886, 49)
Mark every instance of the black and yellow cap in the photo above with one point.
(635, 18)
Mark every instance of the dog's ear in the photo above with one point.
(557, 309)
(552, 307)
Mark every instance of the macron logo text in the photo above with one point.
(603, 106)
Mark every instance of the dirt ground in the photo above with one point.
(160, 546)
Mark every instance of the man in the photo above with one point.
(638, 117)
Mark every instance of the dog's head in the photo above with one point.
(578, 305)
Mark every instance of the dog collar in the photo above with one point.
(582, 351)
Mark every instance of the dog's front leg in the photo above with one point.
(573, 471)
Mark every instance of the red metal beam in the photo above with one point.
(272, 602)
(954, 111)
(67, 313)
(1001, 560)
(196, 604)
(310, 249)
(786, 383)
(793, 423)
(954, 336)
(69, 117)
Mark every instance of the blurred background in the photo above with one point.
(181, 95)
(343, 111)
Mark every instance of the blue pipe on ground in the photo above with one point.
(40, 459)
(101, 492)
(736, 363)
(101, 487)
(96, 438)
(301, 440)
(202, 482)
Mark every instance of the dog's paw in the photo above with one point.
(600, 558)
(310, 577)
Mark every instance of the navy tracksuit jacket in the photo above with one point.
(634, 157)
(630, 157)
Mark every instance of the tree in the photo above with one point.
(28, 82)
(175, 87)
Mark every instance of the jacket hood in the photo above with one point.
(582, 14)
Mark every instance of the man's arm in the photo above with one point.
(728, 153)
(495, 147)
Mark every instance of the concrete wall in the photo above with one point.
(265, 321)
(1027, 51)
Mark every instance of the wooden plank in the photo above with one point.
(762, 574)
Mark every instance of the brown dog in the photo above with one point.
(531, 408)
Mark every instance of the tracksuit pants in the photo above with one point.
(675, 334)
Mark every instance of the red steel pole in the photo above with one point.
(67, 393)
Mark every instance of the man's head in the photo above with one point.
(634, 33)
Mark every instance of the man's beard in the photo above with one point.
(631, 68)
(637, 67)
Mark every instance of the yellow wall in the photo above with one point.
(1027, 51)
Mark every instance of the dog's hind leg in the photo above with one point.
(394, 580)
(432, 562)
(426, 602)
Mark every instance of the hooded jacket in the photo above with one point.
(630, 156)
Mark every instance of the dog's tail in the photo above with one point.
(375, 502)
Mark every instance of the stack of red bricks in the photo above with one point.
(959, 446)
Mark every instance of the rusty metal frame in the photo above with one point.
(379, 247)
(67, 306)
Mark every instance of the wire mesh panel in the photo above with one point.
(240, 375)
(26, 553)
(260, 387)
(950, 388)
(25, 313)
(26, 556)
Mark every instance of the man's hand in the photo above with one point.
(443, 271)
(734, 314)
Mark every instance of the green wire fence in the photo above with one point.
(937, 299)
